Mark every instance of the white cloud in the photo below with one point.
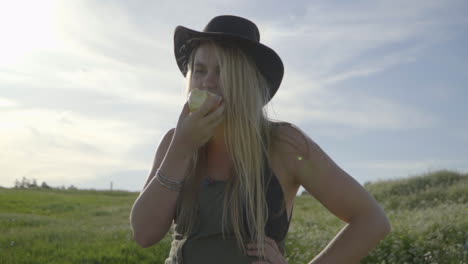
(302, 100)
(330, 42)
(327, 44)
(62, 146)
(6, 103)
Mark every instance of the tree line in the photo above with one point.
(26, 183)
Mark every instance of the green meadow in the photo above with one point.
(429, 216)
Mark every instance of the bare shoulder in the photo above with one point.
(291, 143)
(291, 138)
(289, 146)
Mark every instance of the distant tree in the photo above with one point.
(17, 184)
(72, 188)
(32, 184)
(27, 183)
(24, 183)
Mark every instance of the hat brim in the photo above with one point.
(266, 59)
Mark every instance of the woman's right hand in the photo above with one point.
(194, 129)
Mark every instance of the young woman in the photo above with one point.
(227, 175)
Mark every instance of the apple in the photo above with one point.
(197, 97)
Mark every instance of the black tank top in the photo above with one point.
(206, 245)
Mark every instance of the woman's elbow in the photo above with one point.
(376, 222)
(383, 225)
(145, 239)
(381, 221)
(387, 226)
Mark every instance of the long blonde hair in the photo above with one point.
(248, 136)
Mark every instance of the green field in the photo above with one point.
(429, 216)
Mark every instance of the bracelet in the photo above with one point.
(168, 184)
(158, 171)
(166, 180)
(171, 188)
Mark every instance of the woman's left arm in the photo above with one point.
(355, 240)
(367, 222)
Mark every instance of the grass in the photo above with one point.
(428, 213)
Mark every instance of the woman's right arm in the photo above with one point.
(154, 209)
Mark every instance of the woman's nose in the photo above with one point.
(211, 80)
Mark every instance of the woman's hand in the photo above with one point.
(196, 128)
(272, 253)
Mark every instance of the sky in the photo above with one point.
(88, 88)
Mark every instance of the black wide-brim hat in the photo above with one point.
(234, 31)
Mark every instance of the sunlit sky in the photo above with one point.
(88, 88)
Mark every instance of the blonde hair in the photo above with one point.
(248, 136)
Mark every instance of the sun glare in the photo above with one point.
(26, 27)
